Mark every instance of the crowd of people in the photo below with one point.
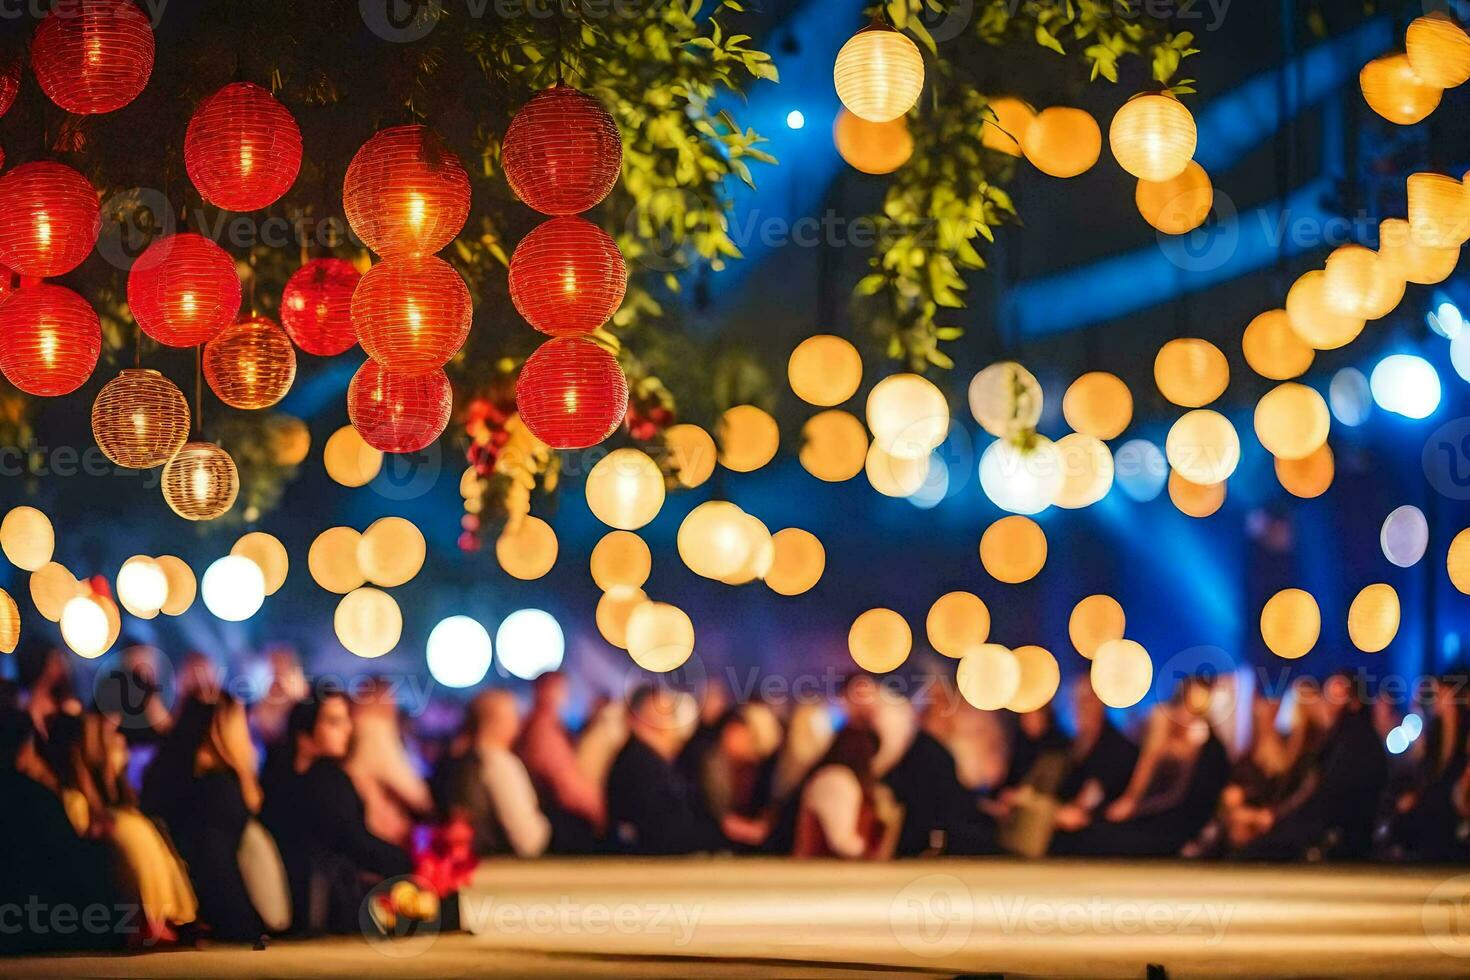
(201, 816)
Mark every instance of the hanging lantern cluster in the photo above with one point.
(184, 290)
(93, 56)
(316, 306)
(242, 149)
(52, 339)
(251, 364)
(562, 156)
(52, 219)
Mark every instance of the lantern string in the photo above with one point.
(199, 390)
(253, 277)
(138, 345)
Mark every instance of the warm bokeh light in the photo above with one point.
(625, 489)
(233, 588)
(527, 548)
(182, 585)
(1179, 205)
(1292, 421)
(872, 147)
(1122, 673)
(825, 370)
(27, 538)
(1098, 404)
(1013, 549)
(349, 460)
(1006, 399)
(266, 551)
(142, 586)
(1396, 92)
(879, 641)
(332, 560)
(52, 587)
(1457, 561)
(712, 540)
(1291, 623)
(1439, 210)
(1040, 678)
(1007, 129)
(1314, 318)
(988, 677)
(1022, 478)
(758, 548)
(614, 610)
(1309, 476)
(391, 551)
(1095, 620)
(1202, 447)
(1062, 142)
(9, 623)
(1438, 49)
(834, 446)
(368, 623)
(1359, 283)
(797, 563)
(957, 622)
(85, 626)
(1273, 349)
(692, 453)
(621, 559)
(748, 438)
(908, 415)
(660, 637)
(1411, 261)
(894, 477)
(1191, 372)
(1195, 499)
(1087, 471)
(1373, 618)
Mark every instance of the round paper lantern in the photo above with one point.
(200, 483)
(712, 540)
(333, 560)
(269, 554)
(957, 623)
(1179, 205)
(1396, 92)
(251, 364)
(1439, 51)
(52, 340)
(1098, 404)
(1439, 212)
(691, 452)
(1309, 476)
(27, 538)
(527, 548)
(391, 552)
(1040, 678)
(1404, 536)
(1005, 399)
(988, 677)
(797, 563)
(398, 414)
(242, 149)
(85, 626)
(412, 314)
(1121, 674)
(349, 460)
(1005, 132)
(572, 394)
(1095, 620)
(825, 370)
(872, 147)
(1202, 447)
(52, 587)
(316, 306)
(181, 585)
(1373, 618)
(894, 477)
(52, 219)
(405, 193)
(1458, 561)
(908, 416)
(1315, 319)
(184, 290)
(93, 56)
(614, 610)
(660, 637)
(1292, 421)
(879, 73)
(1025, 478)
(142, 586)
(1407, 259)
(1359, 284)
(1087, 471)
(368, 623)
(1153, 136)
(1191, 372)
(9, 623)
(1195, 499)
(1063, 142)
(9, 84)
(621, 559)
(748, 438)
(1291, 623)
(567, 277)
(562, 152)
(1273, 349)
(879, 641)
(1013, 549)
(140, 419)
(625, 489)
(834, 446)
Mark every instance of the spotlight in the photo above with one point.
(1406, 385)
(233, 588)
(795, 119)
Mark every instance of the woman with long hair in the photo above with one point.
(845, 811)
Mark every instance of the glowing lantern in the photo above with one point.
(614, 610)
(142, 586)
(93, 56)
(140, 419)
(1411, 261)
(1358, 283)
(412, 314)
(625, 489)
(405, 193)
(1098, 404)
(712, 541)
(872, 147)
(825, 370)
(527, 548)
(894, 477)
(692, 452)
(660, 637)
(797, 562)
(1095, 620)
(1195, 499)
(957, 623)
(27, 538)
(1273, 349)
(368, 623)
(349, 460)
(181, 585)
(567, 277)
(85, 626)
(9, 623)
(1292, 421)
(988, 676)
(251, 364)
(1404, 536)
(1087, 471)
(834, 446)
(1040, 678)
(398, 414)
(1153, 136)
(1122, 673)
(1439, 212)
(1396, 92)
(1458, 561)
(184, 290)
(1291, 623)
(1314, 318)
(621, 560)
(1439, 50)
(52, 340)
(908, 416)
(879, 73)
(1013, 549)
(1005, 399)
(1025, 478)
(879, 641)
(1191, 372)
(333, 560)
(242, 149)
(572, 394)
(1063, 142)
(1203, 448)
(1179, 205)
(748, 438)
(51, 219)
(1309, 476)
(200, 483)
(562, 152)
(1007, 130)
(52, 587)
(269, 554)
(316, 306)
(1373, 618)
(391, 552)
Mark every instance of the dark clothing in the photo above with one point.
(1429, 830)
(938, 812)
(208, 840)
(653, 809)
(1109, 763)
(1027, 752)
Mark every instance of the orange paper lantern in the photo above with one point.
(572, 394)
(406, 193)
(242, 149)
(1396, 92)
(251, 365)
(412, 314)
(1063, 142)
(1438, 50)
(1153, 136)
(50, 339)
(879, 73)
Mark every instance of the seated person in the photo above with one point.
(845, 812)
(1101, 758)
(393, 793)
(573, 800)
(940, 814)
(487, 784)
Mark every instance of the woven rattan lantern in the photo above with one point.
(879, 73)
(1373, 618)
(748, 438)
(93, 56)
(406, 193)
(1098, 404)
(200, 483)
(1291, 622)
(527, 548)
(1203, 448)
(1153, 136)
(1063, 142)
(1095, 620)
(834, 446)
(316, 306)
(957, 623)
(1013, 549)
(988, 677)
(1408, 260)
(1191, 372)
(567, 277)
(251, 365)
(412, 314)
(1179, 205)
(1195, 499)
(52, 339)
(797, 562)
(572, 394)
(879, 641)
(1396, 92)
(1359, 283)
(625, 489)
(242, 149)
(825, 370)
(1272, 348)
(872, 147)
(1005, 132)
(184, 290)
(1439, 50)
(52, 219)
(140, 419)
(1315, 319)
(1292, 421)
(562, 152)
(1439, 210)
(395, 413)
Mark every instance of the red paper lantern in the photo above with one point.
(251, 364)
(52, 338)
(242, 149)
(395, 413)
(571, 393)
(406, 193)
(184, 290)
(567, 277)
(93, 56)
(51, 219)
(562, 152)
(9, 85)
(412, 314)
(316, 306)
